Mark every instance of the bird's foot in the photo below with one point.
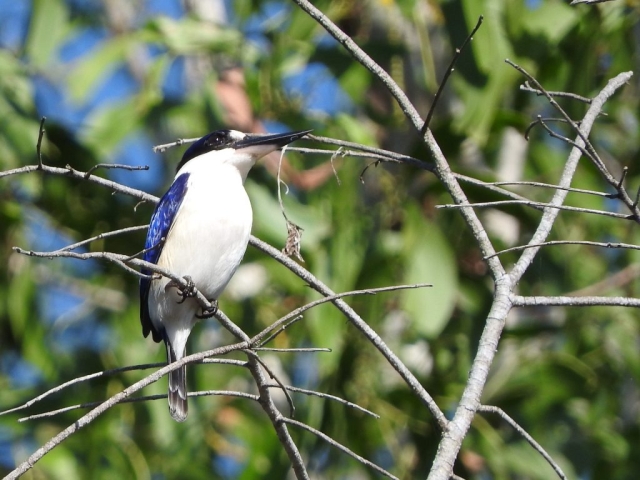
(208, 312)
(189, 291)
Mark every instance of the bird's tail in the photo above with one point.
(178, 406)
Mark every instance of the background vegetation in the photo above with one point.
(115, 78)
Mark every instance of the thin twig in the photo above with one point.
(530, 203)
(327, 396)
(273, 376)
(293, 350)
(555, 187)
(537, 121)
(204, 393)
(84, 378)
(448, 72)
(257, 340)
(537, 447)
(39, 144)
(339, 446)
(180, 141)
(413, 383)
(574, 96)
(108, 166)
(101, 236)
(570, 242)
(115, 399)
(276, 418)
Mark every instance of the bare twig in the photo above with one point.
(537, 447)
(550, 214)
(205, 393)
(449, 71)
(166, 146)
(120, 166)
(339, 446)
(582, 143)
(571, 242)
(594, 301)
(556, 187)
(114, 400)
(589, 2)
(528, 88)
(84, 378)
(258, 339)
(39, 144)
(276, 418)
(530, 203)
(273, 376)
(103, 235)
(360, 324)
(327, 396)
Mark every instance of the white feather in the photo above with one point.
(207, 240)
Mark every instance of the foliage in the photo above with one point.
(112, 88)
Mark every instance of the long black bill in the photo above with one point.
(277, 140)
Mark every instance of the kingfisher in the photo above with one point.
(199, 231)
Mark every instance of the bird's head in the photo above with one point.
(241, 150)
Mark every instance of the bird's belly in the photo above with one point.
(208, 241)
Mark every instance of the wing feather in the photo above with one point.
(161, 221)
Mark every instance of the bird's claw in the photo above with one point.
(208, 312)
(189, 291)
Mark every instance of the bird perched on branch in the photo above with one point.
(199, 231)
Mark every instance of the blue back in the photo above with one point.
(163, 217)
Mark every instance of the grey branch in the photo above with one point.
(360, 324)
(567, 301)
(572, 242)
(538, 448)
(339, 446)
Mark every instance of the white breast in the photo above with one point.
(207, 241)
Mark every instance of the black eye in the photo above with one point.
(217, 140)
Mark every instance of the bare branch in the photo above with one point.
(556, 187)
(589, 2)
(206, 393)
(39, 144)
(520, 301)
(327, 396)
(449, 71)
(112, 166)
(530, 203)
(329, 298)
(114, 400)
(268, 405)
(72, 173)
(361, 325)
(166, 146)
(537, 447)
(574, 96)
(550, 214)
(339, 446)
(408, 109)
(103, 235)
(571, 242)
(84, 378)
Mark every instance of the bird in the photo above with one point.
(199, 231)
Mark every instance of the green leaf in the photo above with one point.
(47, 29)
(428, 258)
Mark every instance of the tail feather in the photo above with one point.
(178, 407)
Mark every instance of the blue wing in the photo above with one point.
(161, 221)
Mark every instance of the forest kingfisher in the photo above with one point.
(199, 231)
